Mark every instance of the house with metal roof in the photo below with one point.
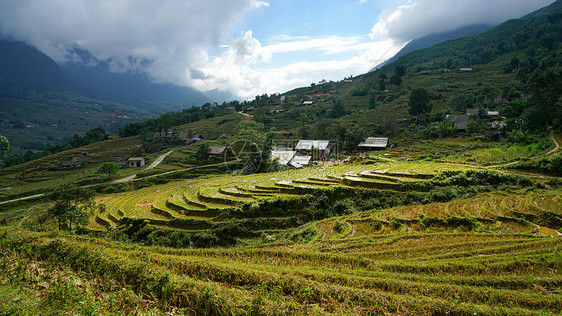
(299, 162)
(318, 149)
(283, 156)
(373, 143)
(460, 121)
(219, 151)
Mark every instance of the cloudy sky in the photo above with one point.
(246, 47)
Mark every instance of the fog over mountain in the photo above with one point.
(245, 47)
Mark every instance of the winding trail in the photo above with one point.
(158, 160)
(556, 144)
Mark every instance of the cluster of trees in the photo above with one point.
(73, 206)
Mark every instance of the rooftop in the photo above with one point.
(309, 144)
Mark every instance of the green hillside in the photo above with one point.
(447, 220)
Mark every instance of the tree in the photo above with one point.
(400, 70)
(372, 100)
(419, 102)
(4, 145)
(396, 80)
(202, 152)
(337, 109)
(381, 84)
(73, 205)
(108, 168)
(353, 136)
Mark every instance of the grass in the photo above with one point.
(430, 273)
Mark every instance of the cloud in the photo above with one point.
(423, 17)
(261, 4)
(245, 67)
(124, 28)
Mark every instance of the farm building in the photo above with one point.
(135, 162)
(471, 112)
(219, 151)
(283, 156)
(299, 161)
(318, 149)
(461, 121)
(373, 143)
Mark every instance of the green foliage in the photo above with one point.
(4, 145)
(550, 165)
(545, 103)
(72, 205)
(108, 168)
(337, 109)
(202, 152)
(372, 100)
(396, 80)
(419, 102)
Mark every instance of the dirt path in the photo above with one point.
(158, 160)
(556, 145)
(504, 165)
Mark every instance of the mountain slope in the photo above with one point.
(435, 38)
(129, 86)
(538, 30)
(24, 68)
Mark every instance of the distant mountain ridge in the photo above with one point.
(98, 76)
(24, 68)
(436, 38)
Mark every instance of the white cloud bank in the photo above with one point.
(423, 17)
(246, 67)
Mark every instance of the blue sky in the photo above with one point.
(246, 47)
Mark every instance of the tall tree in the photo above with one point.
(372, 100)
(108, 168)
(337, 109)
(400, 70)
(73, 205)
(396, 80)
(4, 145)
(419, 102)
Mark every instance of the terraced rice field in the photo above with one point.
(205, 199)
(509, 214)
(440, 273)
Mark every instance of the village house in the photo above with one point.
(219, 151)
(283, 157)
(374, 143)
(460, 121)
(470, 112)
(135, 162)
(299, 162)
(318, 149)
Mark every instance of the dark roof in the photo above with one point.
(461, 126)
(457, 118)
(217, 150)
(471, 112)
